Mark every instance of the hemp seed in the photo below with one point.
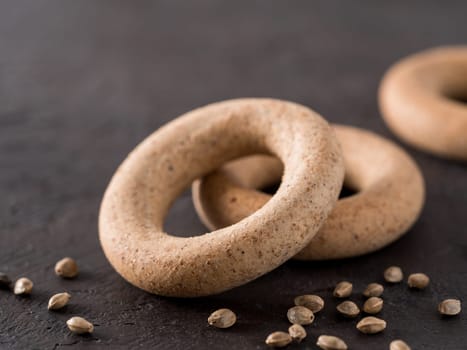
(399, 345)
(66, 268)
(300, 315)
(58, 301)
(5, 281)
(330, 342)
(297, 332)
(371, 325)
(313, 302)
(373, 290)
(222, 318)
(79, 325)
(393, 274)
(278, 339)
(373, 305)
(450, 307)
(348, 309)
(418, 280)
(23, 286)
(343, 289)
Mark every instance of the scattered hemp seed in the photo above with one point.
(393, 274)
(313, 302)
(348, 309)
(222, 318)
(418, 281)
(399, 345)
(5, 281)
(373, 305)
(343, 289)
(300, 315)
(23, 286)
(79, 325)
(373, 290)
(450, 307)
(58, 301)
(371, 325)
(330, 342)
(297, 332)
(278, 339)
(66, 268)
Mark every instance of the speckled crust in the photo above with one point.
(389, 185)
(417, 98)
(162, 166)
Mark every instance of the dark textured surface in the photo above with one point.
(81, 83)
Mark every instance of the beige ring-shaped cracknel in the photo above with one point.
(163, 165)
(420, 100)
(388, 200)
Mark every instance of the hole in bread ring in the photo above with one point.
(389, 195)
(162, 166)
(423, 100)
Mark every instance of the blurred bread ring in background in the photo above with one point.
(423, 100)
(389, 195)
(162, 166)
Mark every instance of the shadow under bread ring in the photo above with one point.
(388, 200)
(423, 100)
(157, 171)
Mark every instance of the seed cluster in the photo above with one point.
(66, 268)
(307, 305)
(303, 313)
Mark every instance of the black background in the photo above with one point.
(82, 82)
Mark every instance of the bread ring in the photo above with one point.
(162, 166)
(389, 198)
(420, 100)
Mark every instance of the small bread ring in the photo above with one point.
(162, 166)
(418, 98)
(389, 198)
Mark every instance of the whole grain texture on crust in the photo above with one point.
(162, 166)
(389, 196)
(422, 99)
